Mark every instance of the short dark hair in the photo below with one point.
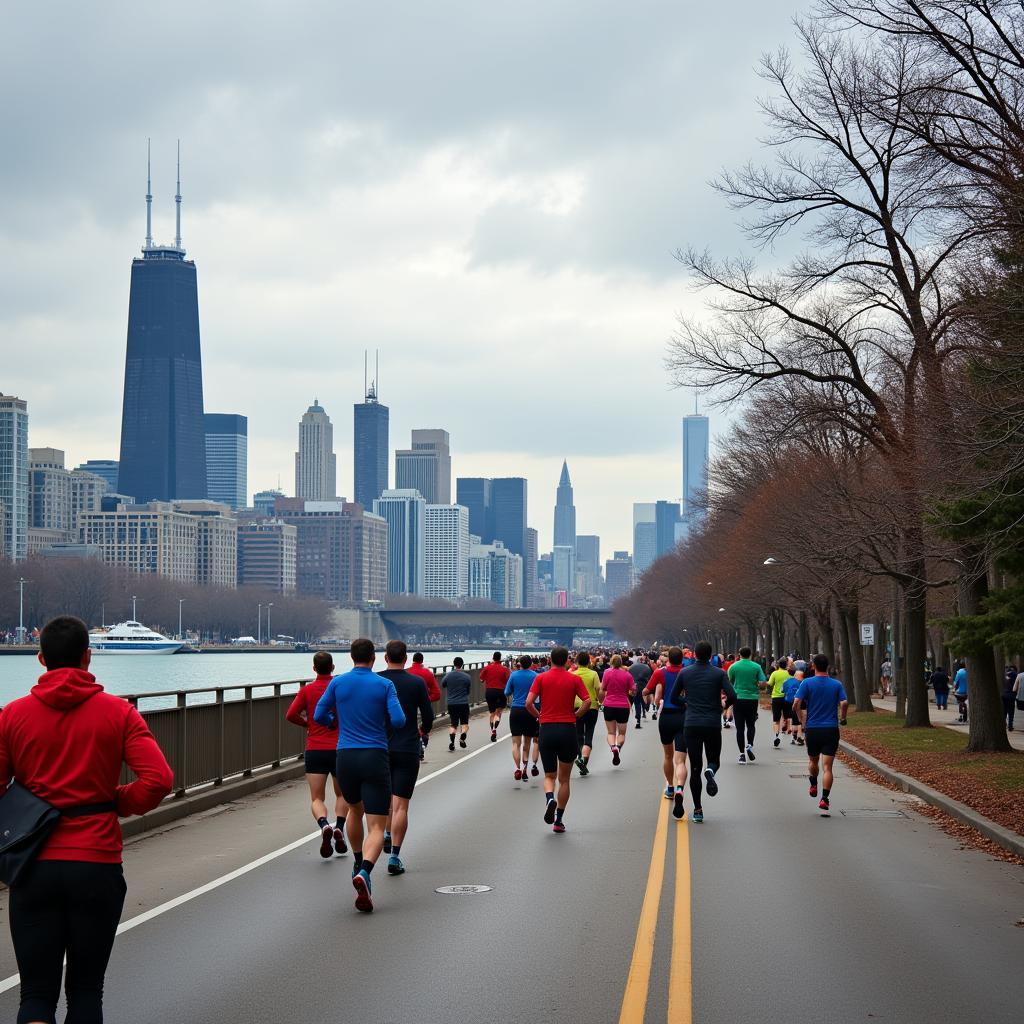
(820, 662)
(783, 662)
(702, 652)
(744, 652)
(497, 656)
(559, 656)
(675, 655)
(417, 658)
(525, 661)
(583, 659)
(458, 662)
(63, 642)
(323, 663)
(362, 651)
(396, 651)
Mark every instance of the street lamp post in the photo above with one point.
(270, 632)
(134, 616)
(21, 609)
(259, 623)
(181, 601)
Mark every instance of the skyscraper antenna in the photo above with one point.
(149, 199)
(366, 381)
(376, 379)
(177, 203)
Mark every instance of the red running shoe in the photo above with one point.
(558, 828)
(339, 841)
(518, 774)
(813, 790)
(326, 838)
(361, 884)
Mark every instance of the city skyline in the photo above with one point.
(475, 225)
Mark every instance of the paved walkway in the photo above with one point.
(948, 719)
(766, 912)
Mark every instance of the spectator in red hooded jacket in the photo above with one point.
(66, 742)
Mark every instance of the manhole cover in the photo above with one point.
(801, 776)
(462, 890)
(870, 812)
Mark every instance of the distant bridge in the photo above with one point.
(559, 623)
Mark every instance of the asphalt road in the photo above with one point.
(764, 913)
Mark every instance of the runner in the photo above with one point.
(494, 677)
(458, 685)
(363, 705)
(727, 713)
(886, 673)
(321, 756)
(418, 669)
(670, 728)
(586, 724)
(746, 677)
(521, 723)
(821, 704)
(960, 690)
(641, 673)
(616, 689)
(404, 748)
(777, 681)
(789, 688)
(557, 689)
(701, 688)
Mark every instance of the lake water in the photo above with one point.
(150, 673)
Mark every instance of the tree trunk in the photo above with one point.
(828, 638)
(986, 725)
(898, 661)
(915, 611)
(861, 688)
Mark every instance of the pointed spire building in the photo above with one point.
(565, 512)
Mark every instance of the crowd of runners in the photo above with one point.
(367, 730)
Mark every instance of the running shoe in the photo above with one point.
(584, 769)
(697, 816)
(709, 782)
(677, 808)
(799, 742)
(361, 884)
(558, 828)
(742, 759)
(579, 763)
(451, 745)
(462, 741)
(615, 754)
(792, 741)
(654, 716)
(535, 771)
(750, 753)
(494, 735)
(326, 839)
(395, 865)
(812, 791)
(778, 740)
(387, 842)
(823, 807)
(549, 812)
(518, 774)
(340, 846)
(637, 725)
(726, 724)
(668, 792)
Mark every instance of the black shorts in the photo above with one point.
(557, 744)
(787, 710)
(778, 707)
(670, 728)
(405, 769)
(585, 726)
(822, 741)
(364, 775)
(459, 714)
(620, 715)
(495, 700)
(321, 762)
(522, 723)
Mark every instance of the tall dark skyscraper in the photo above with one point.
(370, 451)
(508, 512)
(565, 512)
(474, 493)
(163, 444)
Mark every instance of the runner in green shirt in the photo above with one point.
(777, 681)
(586, 723)
(746, 677)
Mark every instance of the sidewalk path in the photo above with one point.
(948, 719)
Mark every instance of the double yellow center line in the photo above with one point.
(638, 984)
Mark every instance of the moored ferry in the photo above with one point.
(132, 638)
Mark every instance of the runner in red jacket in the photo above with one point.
(67, 742)
(494, 677)
(321, 756)
(418, 669)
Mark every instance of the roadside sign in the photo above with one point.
(867, 634)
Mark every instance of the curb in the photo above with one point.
(954, 808)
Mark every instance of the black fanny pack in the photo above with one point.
(26, 822)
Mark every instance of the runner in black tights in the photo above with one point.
(701, 687)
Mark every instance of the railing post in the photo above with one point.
(277, 713)
(220, 736)
(248, 732)
(182, 739)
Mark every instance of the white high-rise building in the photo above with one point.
(316, 468)
(14, 490)
(496, 574)
(405, 512)
(447, 552)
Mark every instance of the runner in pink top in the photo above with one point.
(615, 689)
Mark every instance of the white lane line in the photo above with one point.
(134, 922)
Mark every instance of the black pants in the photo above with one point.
(639, 706)
(65, 908)
(1009, 706)
(585, 726)
(744, 713)
(701, 741)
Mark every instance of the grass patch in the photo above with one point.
(873, 719)
(1002, 771)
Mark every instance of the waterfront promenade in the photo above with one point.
(765, 912)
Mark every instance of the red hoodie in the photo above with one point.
(66, 742)
(428, 677)
(318, 737)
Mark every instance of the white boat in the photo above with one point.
(132, 638)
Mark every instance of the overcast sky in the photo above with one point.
(488, 193)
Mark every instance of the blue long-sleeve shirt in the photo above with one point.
(363, 705)
(518, 686)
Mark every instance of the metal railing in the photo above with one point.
(216, 733)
